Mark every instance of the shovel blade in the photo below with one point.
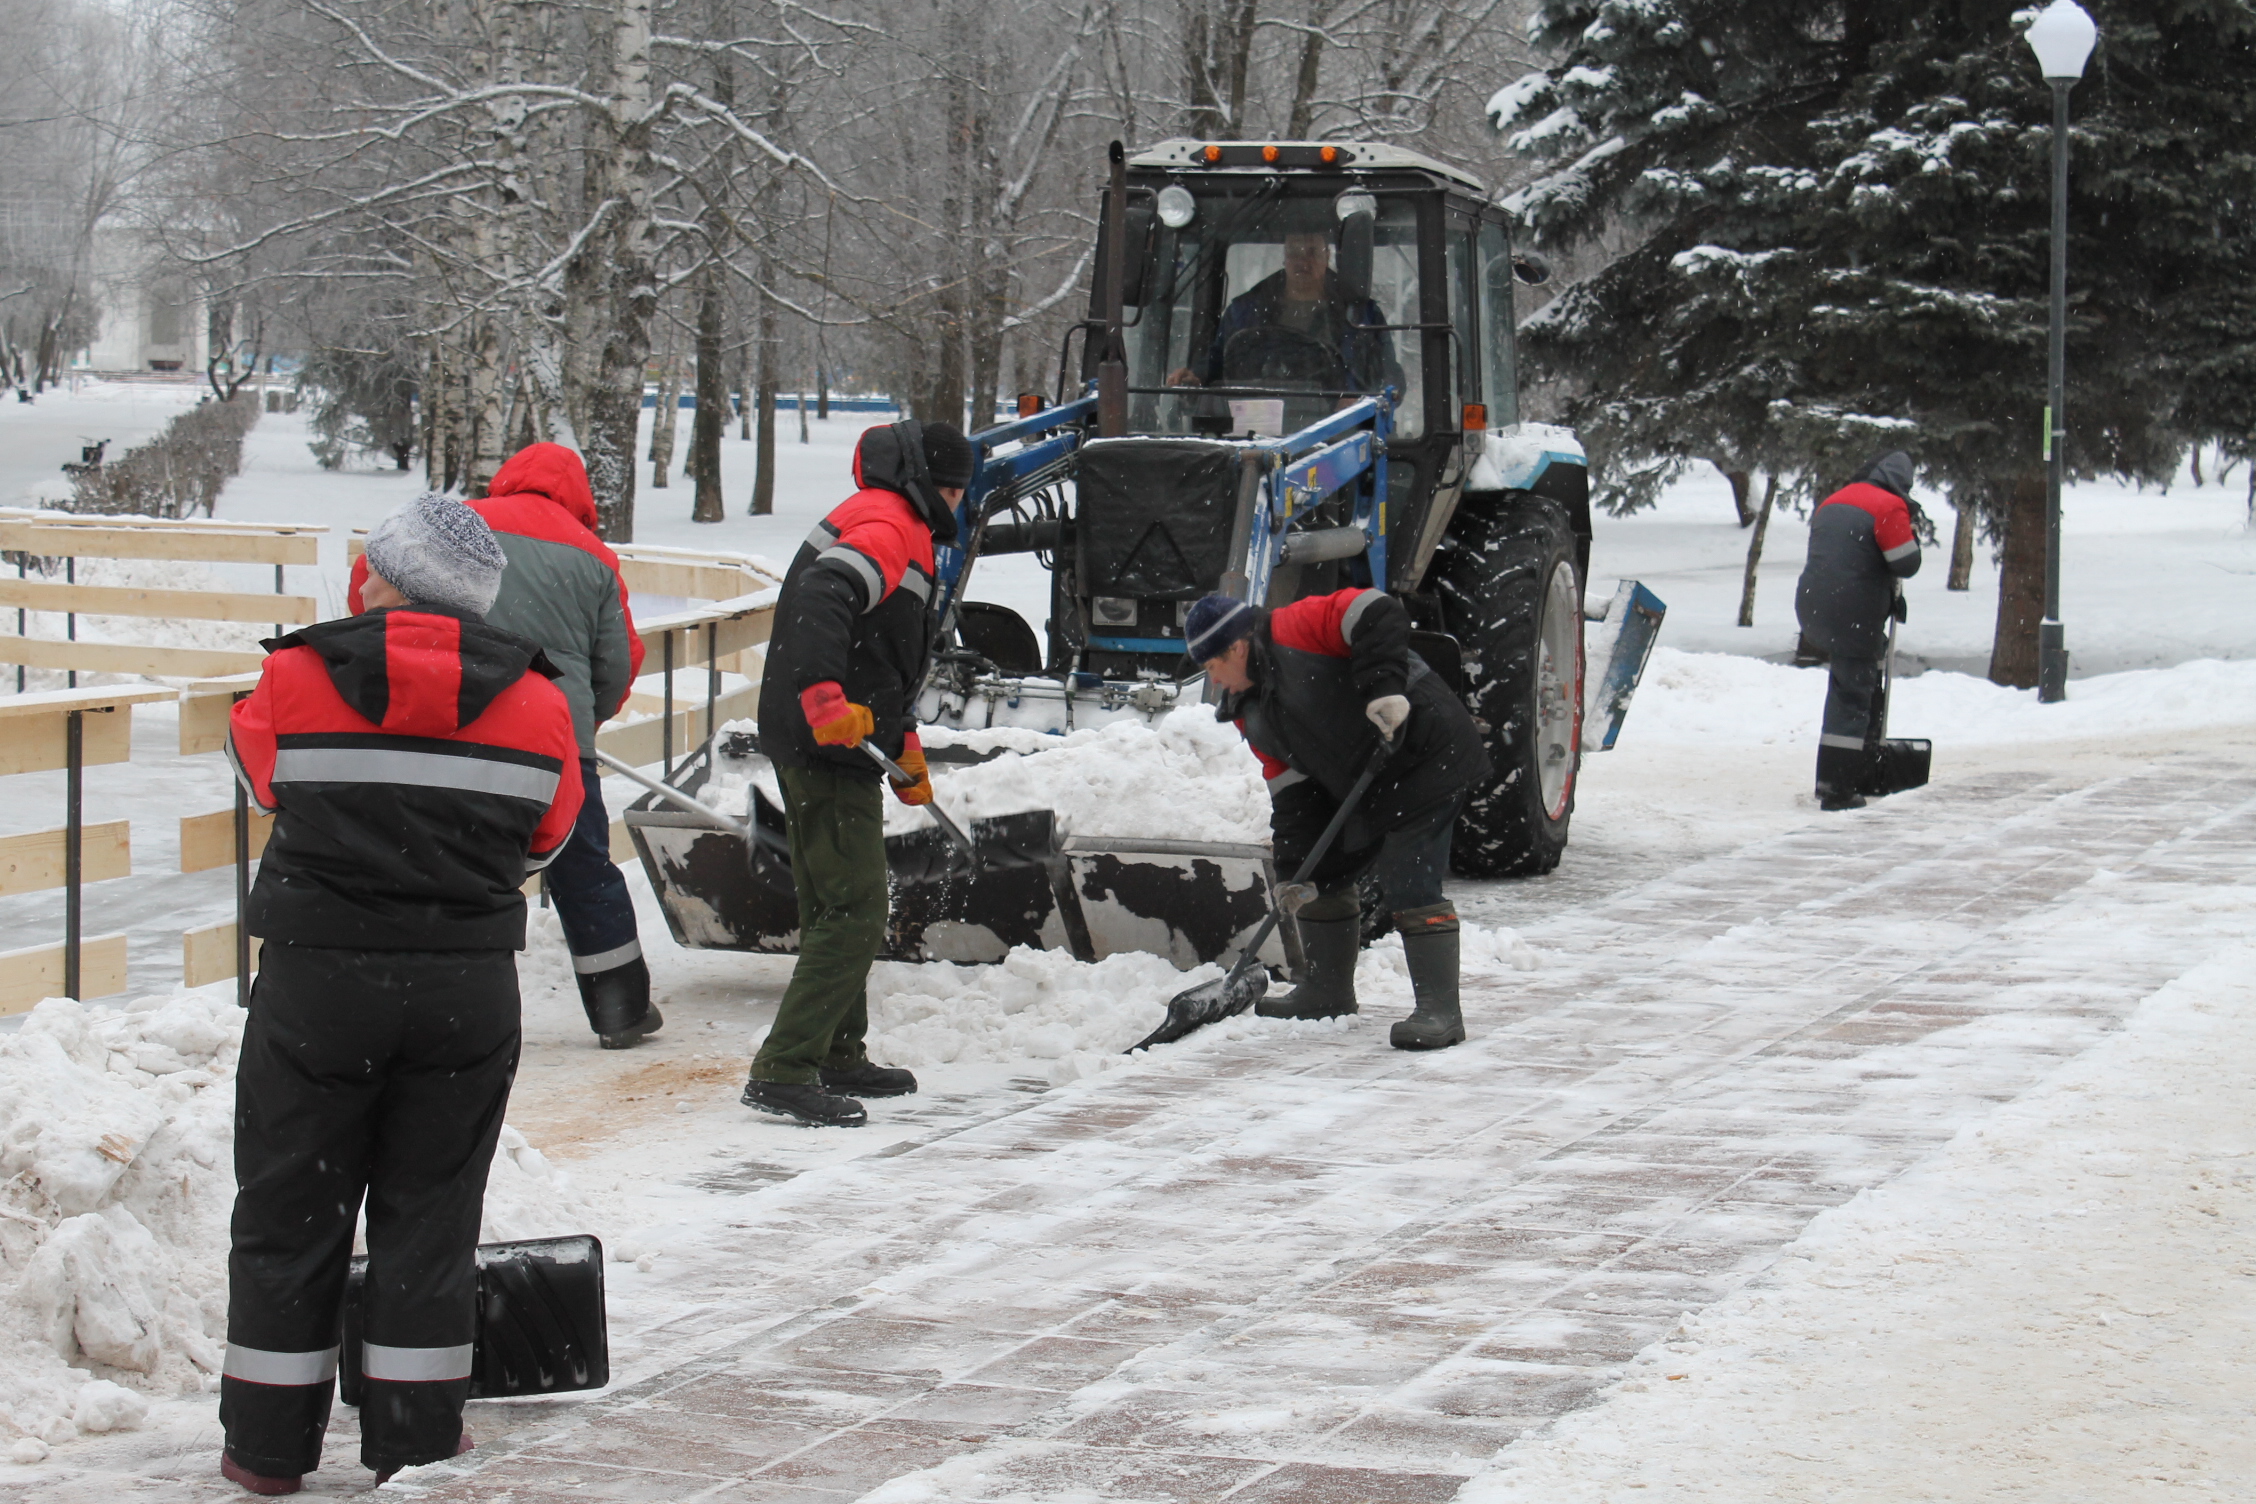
(1194, 1008)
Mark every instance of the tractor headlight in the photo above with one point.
(1176, 206)
(1353, 202)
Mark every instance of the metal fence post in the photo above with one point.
(70, 619)
(666, 730)
(713, 674)
(74, 764)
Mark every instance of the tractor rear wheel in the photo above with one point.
(1512, 595)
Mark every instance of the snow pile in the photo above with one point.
(2054, 1306)
(116, 1185)
(1069, 1020)
(1187, 778)
(1723, 699)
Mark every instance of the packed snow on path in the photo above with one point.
(2060, 1305)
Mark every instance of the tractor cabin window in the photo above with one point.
(1500, 375)
(1251, 325)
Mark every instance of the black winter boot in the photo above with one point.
(810, 1105)
(618, 1004)
(1328, 991)
(866, 1078)
(1840, 772)
(1429, 944)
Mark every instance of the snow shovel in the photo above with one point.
(1210, 1002)
(1892, 765)
(541, 1324)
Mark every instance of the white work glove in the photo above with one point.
(1388, 712)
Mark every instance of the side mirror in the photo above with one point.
(1530, 268)
(1142, 223)
(1355, 255)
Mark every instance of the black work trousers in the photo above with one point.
(1852, 721)
(381, 1073)
(1408, 862)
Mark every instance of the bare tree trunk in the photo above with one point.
(1202, 110)
(764, 448)
(744, 392)
(712, 398)
(485, 417)
(1962, 549)
(1303, 118)
(1754, 551)
(434, 396)
(1742, 487)
(2021, 576)
(666, 419)
(1241, 53)
(621, 274)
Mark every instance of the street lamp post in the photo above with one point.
(2062, 36)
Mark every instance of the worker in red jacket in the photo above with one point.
(418, 763)
(1863, 544)
(562, 589)
(853, 630)
(1314, 686)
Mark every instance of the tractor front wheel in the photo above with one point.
(1512, 595)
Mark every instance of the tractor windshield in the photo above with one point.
(1262, 312)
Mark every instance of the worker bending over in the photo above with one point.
(1862, 544)
(853, 630)
(1314, 686)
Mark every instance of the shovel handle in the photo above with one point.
(898, 774)
(1322, 848)
(675, 796)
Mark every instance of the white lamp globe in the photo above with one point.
(2062, 36)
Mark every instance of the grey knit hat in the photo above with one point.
(437, 552)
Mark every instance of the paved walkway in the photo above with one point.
(1323, 1271)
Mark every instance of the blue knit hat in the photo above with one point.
(1216, 622)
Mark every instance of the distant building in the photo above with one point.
(151, 320)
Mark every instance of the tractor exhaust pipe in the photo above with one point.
(1112, 365)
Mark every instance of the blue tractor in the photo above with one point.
(1296, 374)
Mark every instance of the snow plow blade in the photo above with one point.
(1093, 896)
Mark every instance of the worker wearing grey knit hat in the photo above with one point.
(436, 552)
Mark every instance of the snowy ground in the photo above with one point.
(1907, 1109)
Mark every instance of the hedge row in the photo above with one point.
(176, 474)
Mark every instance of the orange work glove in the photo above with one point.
(837, 722)
(912, 762)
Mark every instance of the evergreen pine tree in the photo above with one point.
(1843, 213)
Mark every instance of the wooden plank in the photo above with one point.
(36, 972)
(33, 862)
(743, 623)
(46, 702)
(641, 743)
(187, 605)
(208, 954)
(204, 708)
(208, 841)
(127, 658)
(49, 539)
(691, 581)
(36, 743)
(622, 844)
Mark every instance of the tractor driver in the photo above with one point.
(1314, 686)
(1299, 325)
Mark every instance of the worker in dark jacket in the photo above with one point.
(1314, 686)
(418, 763)
(562, 589)
(852, 632)
(1862, 545)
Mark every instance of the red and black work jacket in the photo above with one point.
(856, 609)
(1861, 542)
(418, 765)
(1315, 665)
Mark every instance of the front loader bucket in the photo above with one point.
(1189, 901)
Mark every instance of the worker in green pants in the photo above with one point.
(853, 630)
(838, 870)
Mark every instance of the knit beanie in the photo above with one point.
(947, 455)
(437, 552)
(1216, 622)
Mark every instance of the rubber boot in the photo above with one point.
(1328, 991)
(1429, 944)
(1840, 771)
(618, 1004)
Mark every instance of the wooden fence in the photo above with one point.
(39, 731)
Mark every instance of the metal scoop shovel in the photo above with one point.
(900, 775)
(1210, 1002)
